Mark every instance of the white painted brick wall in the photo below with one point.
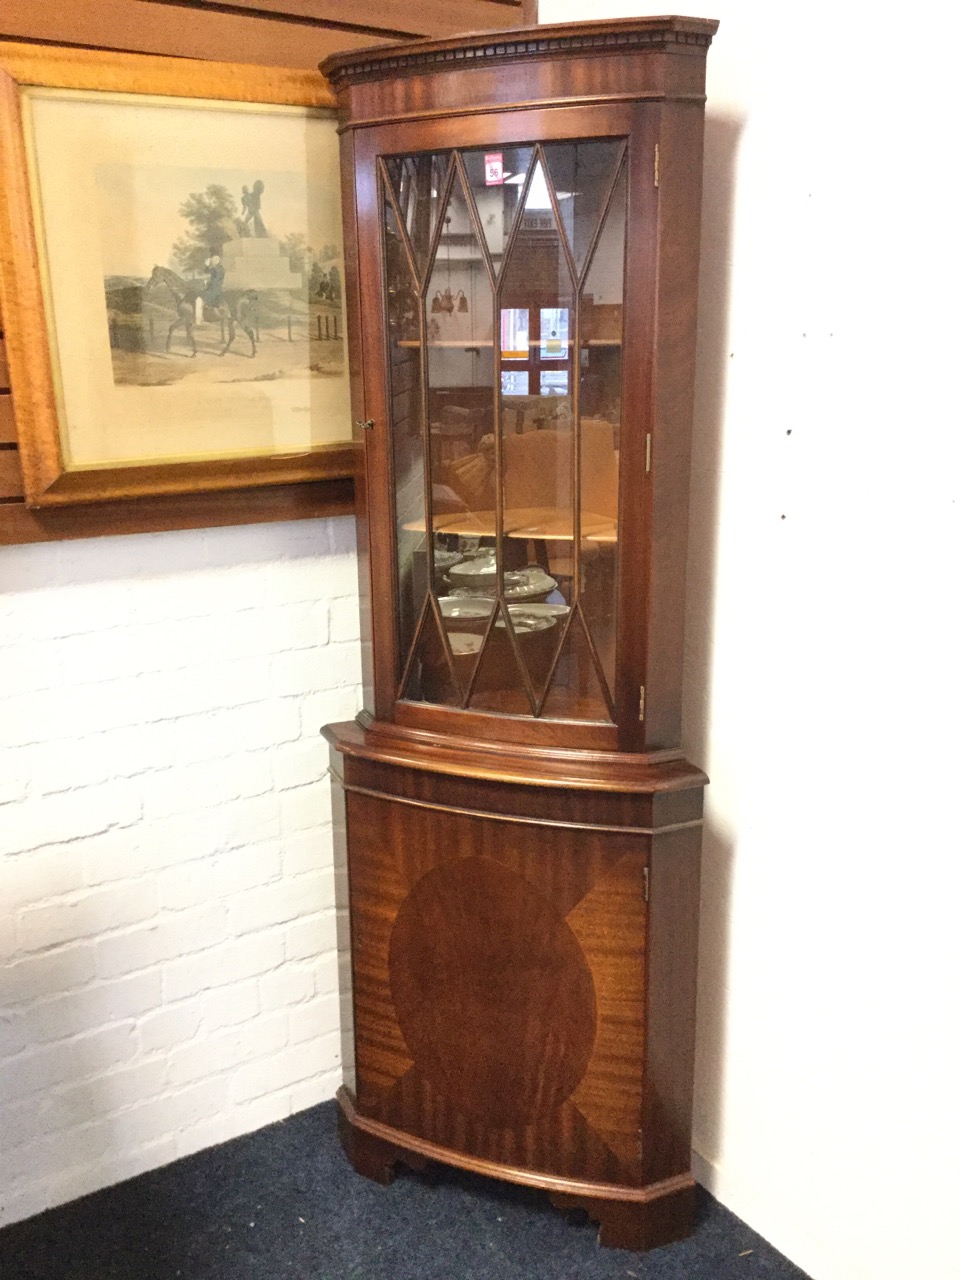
(168, 942)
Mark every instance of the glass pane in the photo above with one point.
(538, 440)
(466, 619)
(538, 195)
(601, 334)
(507, 582)
(431, 675)
(582, 173)
(405, 403)
(418, 183)
(576, 692)
(495, 176)
(499, 682)
(460, 406)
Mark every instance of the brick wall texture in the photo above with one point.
(168, 919)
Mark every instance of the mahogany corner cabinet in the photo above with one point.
(520, 829)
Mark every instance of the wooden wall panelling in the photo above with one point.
(11, 479)
(279, 33)
(8, 430)
(144, 26)
(430, 18)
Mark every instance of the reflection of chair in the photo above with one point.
(599, 468)
(456, 432)
(538, 473)
(472, 477)
(538, 477)
(538, 469)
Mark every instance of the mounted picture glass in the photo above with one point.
(189, 263)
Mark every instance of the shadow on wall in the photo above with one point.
(721, 138)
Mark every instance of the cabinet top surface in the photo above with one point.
(542, 41)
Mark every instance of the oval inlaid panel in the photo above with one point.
(492, 992)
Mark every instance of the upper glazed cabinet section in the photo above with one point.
(511, 290)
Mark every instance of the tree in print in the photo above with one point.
(212, 217)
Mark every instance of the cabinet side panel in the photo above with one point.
(671, 1003)
(355, 330)
(344, 949)
(680, 166)
(638, 391)
(375, 489)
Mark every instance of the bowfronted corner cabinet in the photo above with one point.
(521, 830)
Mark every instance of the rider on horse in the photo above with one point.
(212, 294)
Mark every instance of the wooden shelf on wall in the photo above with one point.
(19, 523)
(285, 33)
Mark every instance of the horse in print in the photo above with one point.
(232, 311)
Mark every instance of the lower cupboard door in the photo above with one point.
(498, 977)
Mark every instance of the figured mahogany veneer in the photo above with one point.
(524, 873)
(520, 1008)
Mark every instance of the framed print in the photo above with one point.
(171, 274)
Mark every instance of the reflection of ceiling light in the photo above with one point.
(537, 196)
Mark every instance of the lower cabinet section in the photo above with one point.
(523, 990)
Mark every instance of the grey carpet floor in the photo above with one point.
(284, 1203)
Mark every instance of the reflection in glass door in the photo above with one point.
(505, 273)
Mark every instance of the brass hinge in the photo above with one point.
(643, 700)
(656, 164)
(649, 450)
(646, 884)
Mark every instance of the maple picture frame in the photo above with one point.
(131, 377)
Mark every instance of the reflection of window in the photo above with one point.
(554, 332)
(514, 334)
(535, 351)
(514, 384)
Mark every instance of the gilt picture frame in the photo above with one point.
(171, 275)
